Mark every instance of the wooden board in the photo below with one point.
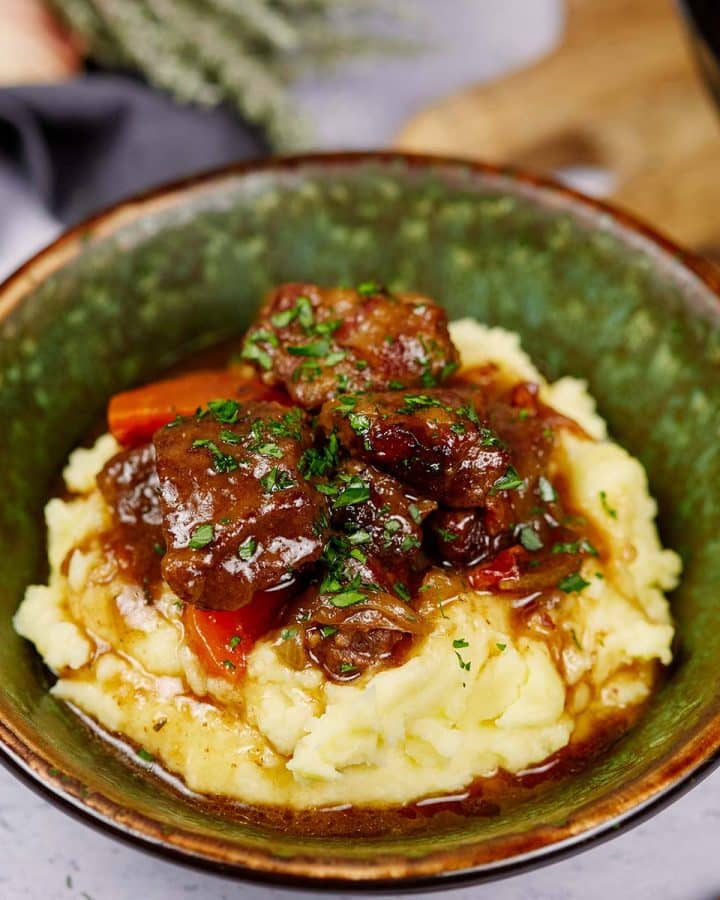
(620, 97)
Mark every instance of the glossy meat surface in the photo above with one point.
(438, 441)
(388, 525)
(238, 516)
(463, 538)
(322, 342)
(389, 468)
(129, 484)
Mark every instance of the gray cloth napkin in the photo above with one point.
(68, 150)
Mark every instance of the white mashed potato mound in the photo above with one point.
(470, 699)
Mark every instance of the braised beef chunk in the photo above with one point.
(388, 524)
(403, 466)
(462, 537)
(351, 649)
(347, 631)
(322, 342)
(129, 484)
(238, 515)
(438, 441)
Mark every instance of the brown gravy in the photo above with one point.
(489, 797)
(485, 797)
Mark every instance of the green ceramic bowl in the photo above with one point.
(591, 292)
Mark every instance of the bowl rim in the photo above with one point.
(630, 806)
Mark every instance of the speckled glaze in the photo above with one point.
(591, 292)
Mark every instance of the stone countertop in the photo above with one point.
(49, 856)
(674, 856)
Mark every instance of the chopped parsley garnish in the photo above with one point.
(357, 554)
(347, 598)
(277, 479)
(458, 428)
(415, 513)
(306, 372)
(329, 490)
(247, 549)
(464, 664)
(361, 536)
(287, 426)
(145, 755)
(501, 647)
(221, 462)
(224, 411)
(396, 385)
(255, 353)
(447, 536)
(369, 288)
(229, 664)
(414, 402)
(354, 491)
(283, 318)
(319, 462)
(229, 437)
(470, 413)
(328, 327)
(342, 382)
(530, 539)
(488, 438)
(546, 490)
(317, 349)
(288, 633)
(346, 668)
(572, 584)
(359, 423)
(510, 481)
(347, 404)
(392, 526)
(402, 591)
(459, 643)
(448, 369)
(328, 631)
(234, 642)
(201, 536)
(581, 546)
(302, 311)
(606, 506)
(269, 449)
(408, 543)
(159, 549)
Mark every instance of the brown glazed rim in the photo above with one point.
(489, 859)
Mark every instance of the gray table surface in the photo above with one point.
(674, 856)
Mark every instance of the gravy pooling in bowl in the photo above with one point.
(385, 565)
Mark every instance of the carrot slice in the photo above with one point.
(222, 639)
(135, 415)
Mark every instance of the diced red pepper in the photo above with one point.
(223, 639)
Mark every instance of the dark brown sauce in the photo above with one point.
(489, 797)
(485, 797)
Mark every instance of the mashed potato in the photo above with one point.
(471, 698)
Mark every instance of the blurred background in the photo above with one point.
(102, 98)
